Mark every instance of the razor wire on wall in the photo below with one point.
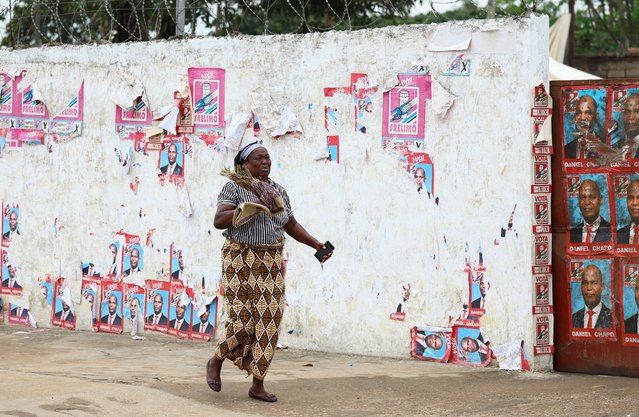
(28, 23)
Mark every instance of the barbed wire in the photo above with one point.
(34, 22)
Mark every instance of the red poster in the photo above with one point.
(111, 306)
(63, 307)
(91, 294)
(469, 346)
(431, 343)
(180, 310)
(18, 315)
(204, 319)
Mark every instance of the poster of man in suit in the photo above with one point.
(589, 212)
(591, 298)
(629, 270)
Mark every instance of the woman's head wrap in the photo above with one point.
(244, 153)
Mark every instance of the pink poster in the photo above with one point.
(68, 124)
(32, 114)
(404, 108)
(133, 120)
(207, 94)
(8, 102)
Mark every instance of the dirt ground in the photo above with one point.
(49, 372)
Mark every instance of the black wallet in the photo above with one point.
(328, 248)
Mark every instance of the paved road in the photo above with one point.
(51, 372)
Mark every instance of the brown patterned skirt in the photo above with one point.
(254, 291)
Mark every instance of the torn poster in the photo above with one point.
(449, 38)
(478, 287)
(404, 108)
(541, 114)
(176, 262)
(11, 283)
(180, 312)
(511, 356)
(400, 313)
(588, 202)
(46, 288)
(133, 300)
(470, 346)
(157, 306)
(331, 107)
(8, 102)
(115, 266)
(591, 298)
(363, 89)
(584, 128)
(132, 120)
(10, 222)
(111, 306)
(33, 114)
(89, 269)
(207, 87)
(63, 310)
(68, 124)
(630, 301)
(204, 319)
(236, 123)
(276, 120)
(624, 125)
(91, 293)
(171, 158)
(626, 190)
(184, 123)
(459, 66)
(332, 145)
(431, 343)
(18, 315)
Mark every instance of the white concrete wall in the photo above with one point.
(384, 232)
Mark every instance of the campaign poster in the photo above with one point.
(45, 283)
(404, 108)
(8, 102)
(10, 223)
(419, 168)
(363, 90)
(542, 296)
(11, 283)
(156, 308)
(207, 86)
(332, 109)
(584, 127)
(204, 319)
(132, 120)
(332, 144)
(133, 301)
(589, 212)
(115, 258)
(542, 171)
(33, 115)
(624, 125)
(176, 262)
(68, 124)
(544, 336)
(18, 315)
(629, 297)
(459, 66)
(430, 343)
(91, 294)
(478, 287)
(171, 159)
(63, 307)
(469, 346)
(133, 255)
(184, 124)
(626, 189)
(180, 310)
(89, 269)
(111, 306)
(591, 298)
(400, 312)
(541, 212)
(542, 245)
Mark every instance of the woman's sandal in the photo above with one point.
(214, 384)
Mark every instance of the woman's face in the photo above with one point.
(259, 163)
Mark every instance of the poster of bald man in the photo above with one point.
(10, 223)
(171, 160)
(180, 309)
(430, 343)
(629, 276)
(626, 208)
(589, 212)
(584, 126)
(156, 310)
(111, 306)
(469, 345)
(591, 298)
(133, 256)
(624, 124)
(63, 306)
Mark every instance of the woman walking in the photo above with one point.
(255, 212)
